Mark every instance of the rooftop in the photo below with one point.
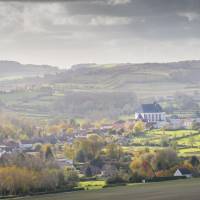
(184, 171)
(151, 108)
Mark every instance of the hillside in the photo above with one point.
(111, 90)
(138, 78)
(15, 70)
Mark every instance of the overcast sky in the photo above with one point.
(63, 33)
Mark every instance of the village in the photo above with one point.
(150, 130)
(99, 99)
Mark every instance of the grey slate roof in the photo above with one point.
(151, 108)
(184, 171)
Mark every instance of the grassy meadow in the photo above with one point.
(179, 189)
(187, 142)
(92, 185)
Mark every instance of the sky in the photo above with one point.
(67, 32)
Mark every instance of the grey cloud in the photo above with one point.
(117, 2)
(73, 26)
(109, 21)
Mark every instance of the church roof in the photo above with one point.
(151, 108)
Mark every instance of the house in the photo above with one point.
(3, 150)
(119, 124)
(2, 153)
(11, 145)
(25, 145)
(183, 172)
(63, 162)
(189, 122)
(176, 123)
(106, 127)
(129, 125)
(81, 134)
(150, 113)
(161, 124)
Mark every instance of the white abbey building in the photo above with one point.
(151, 113)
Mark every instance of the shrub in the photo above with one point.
(136, 178)
(167, 178)
(115, 180)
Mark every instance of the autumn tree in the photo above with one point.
(86, 149)
(47, 152)
(139, 127)
(114, 151)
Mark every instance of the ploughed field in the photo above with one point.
(173, 190)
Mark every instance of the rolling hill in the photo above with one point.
(91, 90)
(149, 79)
(15, 70)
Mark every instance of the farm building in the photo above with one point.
(63, 162)
(183, 172)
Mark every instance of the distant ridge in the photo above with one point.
(125, 76)
(13, 68)
(110, 65)
(95, 90)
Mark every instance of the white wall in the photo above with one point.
(178, 173)
(152, 117)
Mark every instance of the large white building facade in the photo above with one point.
(151, 113)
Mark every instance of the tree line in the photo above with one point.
(22, 174)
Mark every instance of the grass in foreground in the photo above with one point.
(173, 190)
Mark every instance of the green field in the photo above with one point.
(187, 141)
(91, 185)
(174, 190)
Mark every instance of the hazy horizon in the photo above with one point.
(64, 33)
(99, 64)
